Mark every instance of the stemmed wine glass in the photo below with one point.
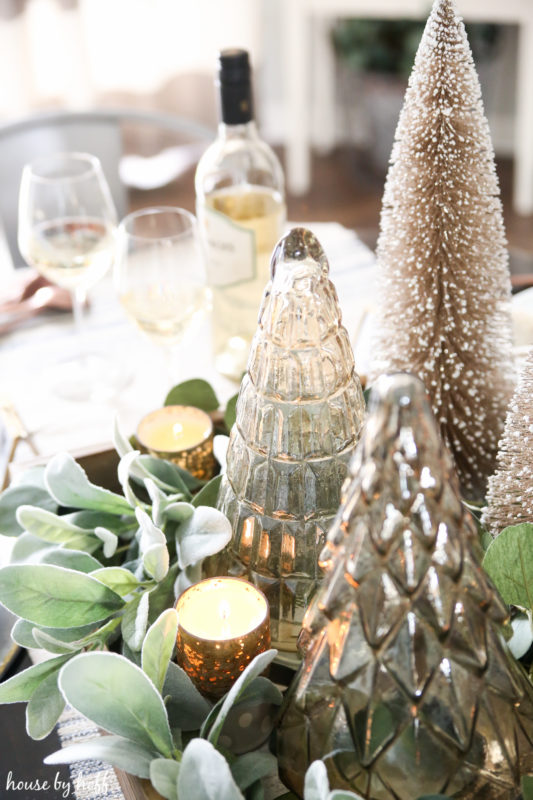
(160, 276)
(67, 225)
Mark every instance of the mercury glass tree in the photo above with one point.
(510, 493)
(445, 306)
(408, 688)
(299, 414)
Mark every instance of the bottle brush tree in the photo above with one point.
(444, 277)
(510, 492)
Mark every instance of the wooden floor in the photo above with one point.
(346, 189)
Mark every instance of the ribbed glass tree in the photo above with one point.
(445, 305)
(408, 687)
(510, 493)
(299, 414)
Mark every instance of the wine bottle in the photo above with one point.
(240, 206)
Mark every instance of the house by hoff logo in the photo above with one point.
(88, 784)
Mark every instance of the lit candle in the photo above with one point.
(223, 623)
(181, 434)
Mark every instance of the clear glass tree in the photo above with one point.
(299, 414)
(407, 687)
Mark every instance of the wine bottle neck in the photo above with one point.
(246, 130)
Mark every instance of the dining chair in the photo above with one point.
(100, 132)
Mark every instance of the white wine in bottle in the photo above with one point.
(240, 206)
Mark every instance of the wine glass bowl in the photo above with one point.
(160, 275)
(67, 220)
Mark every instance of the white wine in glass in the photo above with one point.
(160, 276)
(66, 230)
(71, 252)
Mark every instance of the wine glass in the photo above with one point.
(160, 276)
(66, 230)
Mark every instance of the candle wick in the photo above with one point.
(224, 610)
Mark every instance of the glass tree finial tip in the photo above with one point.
(299, 244)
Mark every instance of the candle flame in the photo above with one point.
(177, 428)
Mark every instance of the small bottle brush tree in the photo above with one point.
(445, 313)
(510, 492)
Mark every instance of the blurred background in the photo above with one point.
(160, 55)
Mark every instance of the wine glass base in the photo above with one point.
(90, 378)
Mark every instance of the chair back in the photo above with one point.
(98, 132)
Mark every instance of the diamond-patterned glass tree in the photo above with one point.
(299, 414)
(408, 688)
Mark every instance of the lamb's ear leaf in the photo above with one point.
(187, 708)
(69, 485)
(14, 497)
(254, 668)
(205, 774)
(316, 784)
(118, 696)
(44, 708)
(164, 777)
(251, 767)
(206, 532)
(207, 496)
(158, 646)
(21, 686)
(56, 597)
(115, 750)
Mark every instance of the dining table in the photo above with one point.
(30, 355)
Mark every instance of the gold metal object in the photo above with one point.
(214, 664)
(198, 458)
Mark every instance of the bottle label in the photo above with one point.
(230, 249)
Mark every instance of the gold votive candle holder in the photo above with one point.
(181, 434)
(223, 623)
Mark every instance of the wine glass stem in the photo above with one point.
(79, 298)
(172, 364)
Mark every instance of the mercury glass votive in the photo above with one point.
(407, 687)
(223, 623)
(181, 434)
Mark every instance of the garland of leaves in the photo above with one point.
(95, 570)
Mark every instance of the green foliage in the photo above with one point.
(116, 750)
(205, 774)
(509, 562)
(158, 646)
(55, 596)
(69, 485)
(252, 671)
(118, 696)
(527, 787)
(12, 499)
(97, 570)
(21, 686)
(195, 392)
(389, 46)
(230, 414)
(164, 777)
(207, 496)
(44, 708)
